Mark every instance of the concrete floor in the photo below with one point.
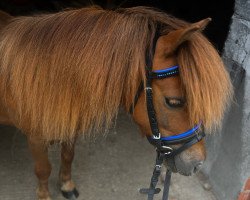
(109, 168)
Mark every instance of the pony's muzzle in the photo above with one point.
(187, 162)
(187, 167)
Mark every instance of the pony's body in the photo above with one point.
(68, 73)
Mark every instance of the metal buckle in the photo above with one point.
(158, 167)
(148, 88)
(157, 137)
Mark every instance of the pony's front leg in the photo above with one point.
(39, 152)
(67, 185)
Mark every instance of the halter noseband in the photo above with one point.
(164, 144)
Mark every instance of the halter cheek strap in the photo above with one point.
(169, 72)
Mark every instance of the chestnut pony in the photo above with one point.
(67, 74)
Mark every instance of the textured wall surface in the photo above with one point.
(228, 165)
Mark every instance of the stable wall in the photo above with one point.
(228, 163)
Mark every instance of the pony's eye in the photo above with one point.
(175, 102)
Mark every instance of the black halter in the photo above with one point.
(164, 144)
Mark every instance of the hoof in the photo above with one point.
(42, 195)
(70, 194)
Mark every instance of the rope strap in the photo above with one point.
(166, 185)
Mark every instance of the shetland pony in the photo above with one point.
(66, 74)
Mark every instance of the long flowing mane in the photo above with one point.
(69, 72)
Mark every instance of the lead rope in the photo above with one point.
(152, 190)
(166, 185)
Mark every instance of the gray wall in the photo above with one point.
(228, 163)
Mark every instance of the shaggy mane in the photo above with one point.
(69, 72)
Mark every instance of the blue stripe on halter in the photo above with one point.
(182, 135)
(166, 70)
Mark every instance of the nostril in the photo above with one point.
(198, 166)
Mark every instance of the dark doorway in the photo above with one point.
(192, 11)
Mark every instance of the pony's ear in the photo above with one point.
(167, 44)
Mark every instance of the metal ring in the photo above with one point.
(170, 150)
